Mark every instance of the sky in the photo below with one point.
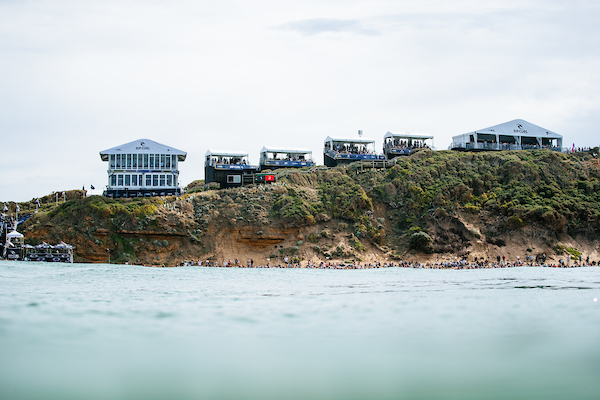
(79, 77)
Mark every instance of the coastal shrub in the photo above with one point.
(421, 241)
(312, 238)
(471, 209)
(560, 249)
(415, 229)
(358, 245)
(341, 251)
(293, 210)
(573, 251)
(515, 222)
(341, 196)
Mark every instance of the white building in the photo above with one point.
(142, 168)
(513, 135)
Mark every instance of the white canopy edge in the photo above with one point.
(14, 234)
(347, 140)
(406, 135)
(226, 153)
(266, 149)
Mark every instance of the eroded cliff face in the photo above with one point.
(430, 206)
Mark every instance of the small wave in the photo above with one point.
(163, 315)
(554, 287)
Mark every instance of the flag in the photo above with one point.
(92, 187)
(83, 188)
(18, 208)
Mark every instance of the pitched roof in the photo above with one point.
(143, 146)
(519, 127)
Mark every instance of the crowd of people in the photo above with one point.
(351, 149)
(477, 263)
(287, 158)
(406, 145)
(229, 161)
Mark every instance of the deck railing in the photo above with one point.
(502, 147)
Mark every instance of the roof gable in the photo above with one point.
(143, 146)
(519, 127)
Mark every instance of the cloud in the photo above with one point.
(316, 26)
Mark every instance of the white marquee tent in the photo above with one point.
(513, 135)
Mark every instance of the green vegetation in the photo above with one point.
(358, 245)
(421, 241)
(294, 210)
(557, 191)
(105, 207)
(341, 196)
(561, 249)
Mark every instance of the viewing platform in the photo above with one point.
(404, 144)
(227, 168)
(344, 151)
(273, 158)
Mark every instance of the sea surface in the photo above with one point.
(98, 331)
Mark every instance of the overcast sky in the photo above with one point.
(78, 77)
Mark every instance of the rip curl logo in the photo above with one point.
(520, 129)
(142, 146)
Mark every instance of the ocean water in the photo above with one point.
(97, 331)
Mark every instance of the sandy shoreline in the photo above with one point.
(415, 265)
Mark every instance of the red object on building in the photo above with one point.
(269, 178)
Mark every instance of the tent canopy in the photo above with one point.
(406, 135)
(518, 127)
(362, 140)
(517, 131)
(225, 153)
(266, 149)
(14, 234)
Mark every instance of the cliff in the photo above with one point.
(431, 205)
